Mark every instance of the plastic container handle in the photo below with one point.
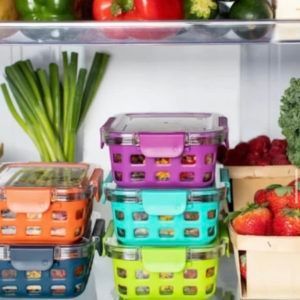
(109, 233)
(104, 129)
(224, 237)
(162, 145)
(98, 235)
(108, 180)
(224, 123)
(96, 183)
(28, 258)
(28, 200)
(225, 178)
(169, 259)
(166, 202)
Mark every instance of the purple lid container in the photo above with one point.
(172, 128)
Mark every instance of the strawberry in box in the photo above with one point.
(275, 211)
(260, 151)
(287, 223)
(255, 164)
(253, 220)
(274, 214)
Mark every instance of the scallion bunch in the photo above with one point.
(49, 108)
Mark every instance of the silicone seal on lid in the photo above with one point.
(117, 251)
(197, 128)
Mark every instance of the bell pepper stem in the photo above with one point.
(119, 7)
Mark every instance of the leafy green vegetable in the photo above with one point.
(51, 110)
(289, 120)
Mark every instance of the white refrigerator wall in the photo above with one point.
(244, 83)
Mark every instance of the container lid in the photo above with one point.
(152, 197)
(41, 258)
(31, 187)
(131, 253)
(115, 194)
(32, 257)
(168, 128)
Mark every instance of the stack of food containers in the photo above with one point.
(165, 241)
(46, 243)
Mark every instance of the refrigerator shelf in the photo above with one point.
(157, 33)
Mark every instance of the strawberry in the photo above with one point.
(260, 196)
(294, 200)
(258, 159)
(242, 149)
(287, 223)
(278, 146)
(260, 145)
(280, 159)
(253, 220)
(243, 265)
(232, 159)
(279, 197)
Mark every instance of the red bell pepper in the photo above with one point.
(138, 10)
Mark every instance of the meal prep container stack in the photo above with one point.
(46, 242)
(165, 201)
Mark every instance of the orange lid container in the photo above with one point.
(46, 203)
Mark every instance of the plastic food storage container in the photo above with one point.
(165, 273)
(164, 149)
(46, 203)
(166, 217)
(48, 272)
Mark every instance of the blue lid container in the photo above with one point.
(48, 272)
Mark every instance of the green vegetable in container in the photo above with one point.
(289, 120)
(251, 10)
(50, 109)
(201, 9)
(46, 10)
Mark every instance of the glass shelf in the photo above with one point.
(177, 32)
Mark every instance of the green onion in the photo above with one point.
(49, 109)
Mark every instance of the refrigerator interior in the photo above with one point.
(243, 82)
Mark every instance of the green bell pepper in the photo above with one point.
(201, 9)
(46, 10)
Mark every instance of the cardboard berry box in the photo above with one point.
(246, 180)
(273, 265)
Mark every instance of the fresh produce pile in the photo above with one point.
(275, 211)
(260, 151)
(109, 10)
(51, 109)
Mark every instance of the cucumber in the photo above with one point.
(251, 10)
